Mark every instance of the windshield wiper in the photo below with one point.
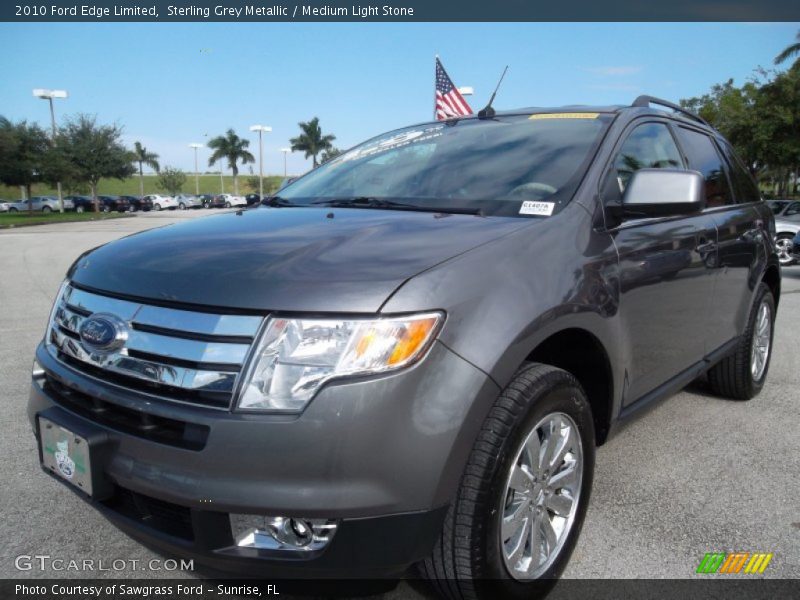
(381, 203)
(278, 202)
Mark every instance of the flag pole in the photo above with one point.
(435, 61)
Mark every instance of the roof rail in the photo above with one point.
(646, 101)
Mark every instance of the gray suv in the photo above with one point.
(410, 355)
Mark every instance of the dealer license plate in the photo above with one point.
(66, 454)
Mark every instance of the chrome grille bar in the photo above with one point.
(195, 352)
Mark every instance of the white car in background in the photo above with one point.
(162, 202)
(785, 230)
(231, 200)
(3, 206)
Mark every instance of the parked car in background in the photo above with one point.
(188, 201)
(3, 206)
(785, 209)
(160, 202)
(785, 232)
(138, 203)
(796, 247)
(229, 200)
(113, 204)
(207, 200)
(81, 203)
(43, 204)
(253, 199)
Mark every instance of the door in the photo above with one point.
(731, 199)
(665, 270)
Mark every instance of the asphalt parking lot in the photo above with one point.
(696, 474)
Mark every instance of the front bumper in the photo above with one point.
(384, 456)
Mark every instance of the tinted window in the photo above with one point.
(494, 165)
(745, 188)
(794, 209)
(649, 146)
(777, 207)
(704, 157)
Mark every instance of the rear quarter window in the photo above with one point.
(704, 157)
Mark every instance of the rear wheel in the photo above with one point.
(227, 205)
(741, 375)
(181, 206)
(783, 244)
(523, 497)
(12, 209)
(105, 208)
(157, 206)
(46, 209)
(79, 209)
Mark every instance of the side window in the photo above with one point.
(649, 146)
(704, 157)
(794, 209)
(743, 184)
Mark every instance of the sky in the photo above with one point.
(173, 84)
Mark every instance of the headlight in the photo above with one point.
(295, 357)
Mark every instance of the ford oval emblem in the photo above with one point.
(103, 332)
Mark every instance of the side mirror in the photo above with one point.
(663, 193)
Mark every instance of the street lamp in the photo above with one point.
(196, 170)
(49, 95)
(285, 154)
(261, 129)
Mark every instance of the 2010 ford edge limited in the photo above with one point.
(411, 354)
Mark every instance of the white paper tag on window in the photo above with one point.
(543, 209)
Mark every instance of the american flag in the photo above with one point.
(449, 101)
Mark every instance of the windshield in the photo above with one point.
(493, 165)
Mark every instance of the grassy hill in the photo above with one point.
(209, 184)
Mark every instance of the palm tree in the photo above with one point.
(233, 148)
(311, 141)
(143, 157)
(790, 51)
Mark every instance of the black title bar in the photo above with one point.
(399, 10)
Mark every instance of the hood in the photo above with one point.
(285, 259)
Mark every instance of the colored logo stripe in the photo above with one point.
(720, 562)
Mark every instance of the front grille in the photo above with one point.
(172, 432)
(172, 519)
(176, 354)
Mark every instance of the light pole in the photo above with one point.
(261, 129)
(49, 95)
(196, 170)
(285, 154)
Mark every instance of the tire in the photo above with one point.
(783, 243)
(79, 209)
(469, 559)
(736, 376)
(181, 206)
(157, 206)
(105, 208)
(227, 205)
(46, 209)
(12, 209)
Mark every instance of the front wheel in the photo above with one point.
(106, 208)
(783, 244)
(227, 205)
(79, 209)
(12, 209)
(46, 209)
(181, 206)
(523, 496)
(741, 375)
(157, 206)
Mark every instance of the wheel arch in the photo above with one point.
(582, 354)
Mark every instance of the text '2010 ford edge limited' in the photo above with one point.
(411, 354)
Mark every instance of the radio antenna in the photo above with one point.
(488, 112)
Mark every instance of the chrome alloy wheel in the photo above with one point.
(784, 247)
(762, 337)
(542, 493)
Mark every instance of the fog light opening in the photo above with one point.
(282, 533)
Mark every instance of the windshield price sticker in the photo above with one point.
(542, 209)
